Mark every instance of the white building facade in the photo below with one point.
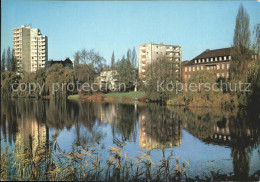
(30, 49)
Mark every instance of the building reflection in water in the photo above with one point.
(31, 136)
(27, 123)
(239, 130)
(158, 128)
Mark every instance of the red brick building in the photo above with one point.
(217, 60)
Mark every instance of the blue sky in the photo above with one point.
(113, 25)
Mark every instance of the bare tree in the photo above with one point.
(3, 62)
(76, 58)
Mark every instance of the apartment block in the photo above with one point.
(217, 61)
(30, 49)
(149, 53)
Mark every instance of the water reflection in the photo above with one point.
(238, 130)
(159, 128)
(26, 125)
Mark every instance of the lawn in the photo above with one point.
(132, 95)
(73, 97)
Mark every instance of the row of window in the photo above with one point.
(218, 75)
(212, 59)
(213, 67)
(39, 65)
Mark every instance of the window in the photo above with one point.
(220, 58)
(189, 68)
(223, 74)
(227, 75)
(225, 58)
(218, 75)
(185, 77)
(218, 67)
(211, 59)
(207, 59)
(207, 67)
(198, 68)
(199, 60)
(189, 76)
(229, 57)
(223, 66)
(216, 58)
(202, 68)
(195, 61)
(185, 69)
(228, 66)
(193, 68)
(203, 60)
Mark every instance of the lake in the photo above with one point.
(205, 139)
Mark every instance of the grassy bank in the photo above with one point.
(132, 95)
(112, 97)
(74, 97)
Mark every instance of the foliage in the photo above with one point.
(126, 71)
(9, 59)
(40, 83)
(88, 64)
(244, 66)
(8, 78)
(161, 73)
(3, 61)
(113, 59)
(204, 94)
(63, 77)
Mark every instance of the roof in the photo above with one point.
(211, 54)
(214, 53)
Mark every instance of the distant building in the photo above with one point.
(149, 53)
(109, 78)
(66, 63)
(30, 49)
(217, 60)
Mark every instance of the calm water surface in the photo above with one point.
(208, 138)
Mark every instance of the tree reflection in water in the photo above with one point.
(25, 124)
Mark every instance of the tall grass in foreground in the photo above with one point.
(84, 163)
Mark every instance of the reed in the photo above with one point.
(84, 163)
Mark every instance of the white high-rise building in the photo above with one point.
(30, 49)
(151, 52)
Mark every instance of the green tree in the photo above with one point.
(244, 67)
(113, 59)
(241, 45)
(160, 80)
(127, 72)
(129, 55)
(9, 59)
(3, 62)
(134, 57)
(13, 63)
(8, 78)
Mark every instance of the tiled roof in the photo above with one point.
(214, 53)
(211, 54)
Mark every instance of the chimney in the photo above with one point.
(207, 50)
